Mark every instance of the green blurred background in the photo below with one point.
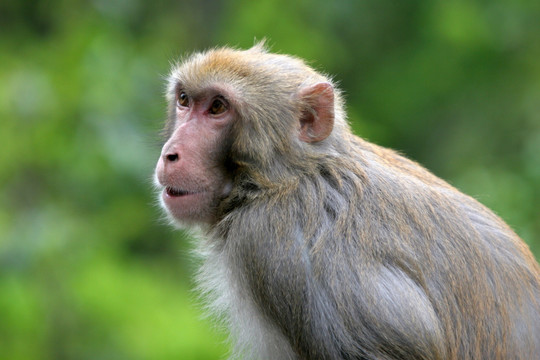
(88, 267)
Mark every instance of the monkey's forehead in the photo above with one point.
(241, 67)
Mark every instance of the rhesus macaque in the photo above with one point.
(317, 244)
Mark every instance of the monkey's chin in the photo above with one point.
(187, 208)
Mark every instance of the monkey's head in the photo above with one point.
(241, 120)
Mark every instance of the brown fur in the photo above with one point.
(337, 248)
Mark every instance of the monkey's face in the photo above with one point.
(231, 114)
(190, 172)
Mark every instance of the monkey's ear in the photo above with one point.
(317, 119)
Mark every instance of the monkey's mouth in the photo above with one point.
(174, 192)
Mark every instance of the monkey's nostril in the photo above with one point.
(171, 157)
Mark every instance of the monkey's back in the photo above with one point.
(479, 278)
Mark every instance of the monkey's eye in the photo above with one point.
(182, 99)
(218, 106)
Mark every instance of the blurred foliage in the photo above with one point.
(88, 268)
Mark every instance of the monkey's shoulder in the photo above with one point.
(391, 162)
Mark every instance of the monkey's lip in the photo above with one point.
(176, 192)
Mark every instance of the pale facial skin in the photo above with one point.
(190, 170)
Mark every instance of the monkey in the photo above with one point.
(317, 244)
